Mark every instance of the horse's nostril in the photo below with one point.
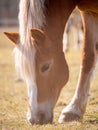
(41, 118)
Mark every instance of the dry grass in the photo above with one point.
(13, 96)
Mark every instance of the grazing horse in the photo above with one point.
(40, 59)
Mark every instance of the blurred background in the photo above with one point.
(9, 12)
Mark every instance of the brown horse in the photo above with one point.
(40, 59)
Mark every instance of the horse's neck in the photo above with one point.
(58, 13)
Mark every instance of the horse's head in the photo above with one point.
(45, 72)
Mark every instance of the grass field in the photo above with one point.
(13, 95)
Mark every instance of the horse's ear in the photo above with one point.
(14, 37)
(37, 35)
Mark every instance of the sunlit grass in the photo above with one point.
(13, 95)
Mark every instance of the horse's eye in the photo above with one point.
(45, 67)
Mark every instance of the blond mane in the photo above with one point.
(31, 15)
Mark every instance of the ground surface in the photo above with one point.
(13, 95)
